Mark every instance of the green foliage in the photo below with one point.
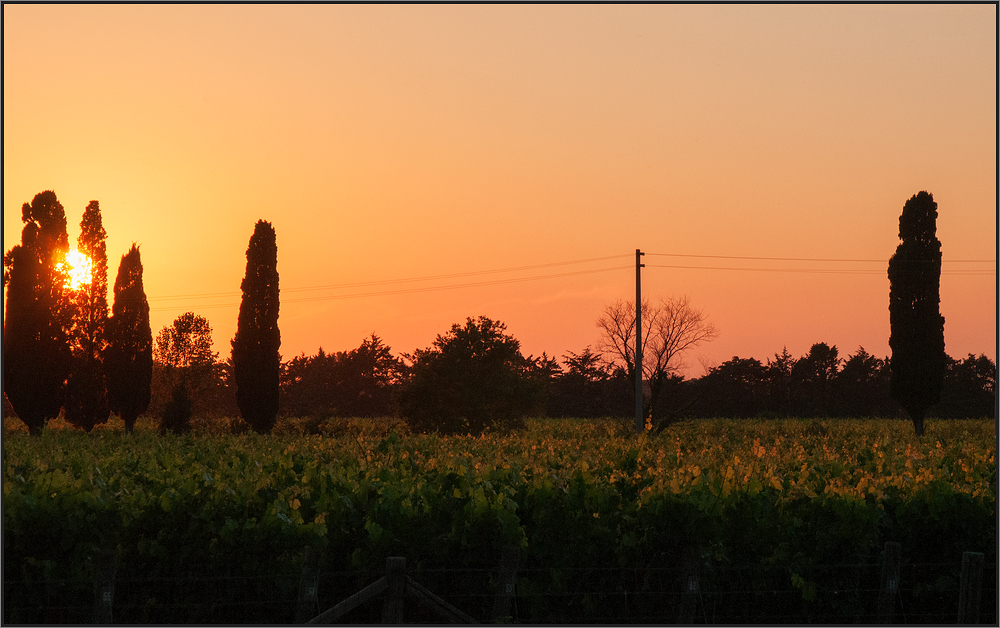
(176, 416)
(756, 506)
(256, 362)
(916, 326)
(356, 383)
(969, 389)
(187, 342)
(183, 355)
(128, 360)
(38, 314)
(473, 379)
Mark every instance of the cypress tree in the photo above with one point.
(916, 337)
(38, 313)
(129, 356)
(256, 362)
(86, 402)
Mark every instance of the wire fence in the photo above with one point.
(850, 592)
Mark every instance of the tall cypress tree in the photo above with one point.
(128, 360)
(38, 314)
(916, 334)
(86, 402)
(256, 362)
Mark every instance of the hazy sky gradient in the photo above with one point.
(389, 142)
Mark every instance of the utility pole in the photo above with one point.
(640, 423)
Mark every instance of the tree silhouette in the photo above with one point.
(542, 372)
(38, 314)
(128, 360)
(256, 362)
(969, 389)
(585, 388)
(863, 385)
(306, 386)
(471, 380)
(916, 326)
(182, 354)
(812, 381)
(177, 413)
(86, 403)
(364, 378)
(356, 383)
(184, 343)
(669, 330)
(734, 388)
(778, 383)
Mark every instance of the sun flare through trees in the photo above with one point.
(79, 269)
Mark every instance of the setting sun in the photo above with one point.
(79, 268)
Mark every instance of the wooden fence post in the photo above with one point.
(104, 584)
(505, 590)
(890, 582)
(971, 586)
(308, 604)
(395, 576)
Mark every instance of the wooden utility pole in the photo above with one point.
(640, 423)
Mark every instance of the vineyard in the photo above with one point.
(783, 520)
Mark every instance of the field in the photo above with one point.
(783, 520)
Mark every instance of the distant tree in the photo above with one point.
(472, 379)
(734, 389)
(581, 389)
(256, 362)
(542, 372)
(863, 386)
(38, 314)
(364, 379)
(306, 386)
(176, 415)
(361, 382)
(916, 336)
(185, 342)
(669, 330)
(778, 384)
(812, 381)
(182, 354)
(969, 390)
(128, 359)
(86, 403)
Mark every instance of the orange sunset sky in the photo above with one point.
(411, 142)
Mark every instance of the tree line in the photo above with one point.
(63, 352)
(587, 384)
(450, 387)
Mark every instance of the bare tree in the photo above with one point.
(668, 331)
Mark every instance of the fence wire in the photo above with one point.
(831, 593)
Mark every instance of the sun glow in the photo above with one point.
(79, 269)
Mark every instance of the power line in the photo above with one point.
(403, 280)
(330, 297)
(809, 259)
(834, 271)
(454, 286)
